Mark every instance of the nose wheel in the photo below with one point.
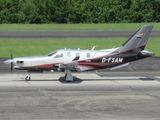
(28, 78)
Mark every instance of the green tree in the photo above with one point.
(79, 11)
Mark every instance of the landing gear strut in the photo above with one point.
(28, 78)
(68, 76)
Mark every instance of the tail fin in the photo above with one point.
(137, 40)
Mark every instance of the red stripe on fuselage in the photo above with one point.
(99, 64)
(44, 65)
(113, 54)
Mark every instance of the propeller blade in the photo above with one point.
(11, 57)
(11, 67)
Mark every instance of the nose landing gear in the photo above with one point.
(28, 78)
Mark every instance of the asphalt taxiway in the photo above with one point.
(69, 33)
(48, 96)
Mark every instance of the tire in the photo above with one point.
(27, 78)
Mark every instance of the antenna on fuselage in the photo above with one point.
(93, 47)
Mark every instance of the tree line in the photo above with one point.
(79, 11)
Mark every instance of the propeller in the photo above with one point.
(11, 57)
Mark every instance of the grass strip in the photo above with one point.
(104, 26)
(29, 47)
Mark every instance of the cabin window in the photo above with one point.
(77, 54)
(52, 53)
(88, 55)
(59, 55)
(68, 54)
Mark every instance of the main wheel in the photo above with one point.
(27, 78)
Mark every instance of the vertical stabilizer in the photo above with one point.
(137, 40)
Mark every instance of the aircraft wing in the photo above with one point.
(70, 65)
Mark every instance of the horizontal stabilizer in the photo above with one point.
(146, 53)
(119, 66)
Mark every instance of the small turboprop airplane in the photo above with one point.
(68, 60)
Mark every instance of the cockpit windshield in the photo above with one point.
(52, 53)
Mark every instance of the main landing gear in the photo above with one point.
(28, 78)
(68, 76)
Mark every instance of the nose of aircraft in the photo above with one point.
(8, 62)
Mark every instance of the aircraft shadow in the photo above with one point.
(147, 79)
(75, 80)
(36, 80)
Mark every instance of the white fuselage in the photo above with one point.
(59, 57)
